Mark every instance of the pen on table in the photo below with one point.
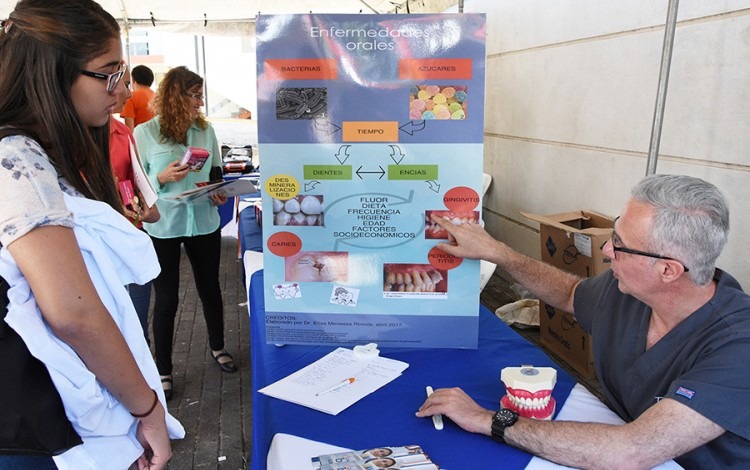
(437, 420)
(339, 385)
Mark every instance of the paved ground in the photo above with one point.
(213, 406)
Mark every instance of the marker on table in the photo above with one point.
(339, 385)
(437, 420)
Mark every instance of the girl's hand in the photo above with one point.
(218, 199)
(173, 172)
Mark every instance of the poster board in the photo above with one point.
(367, 125)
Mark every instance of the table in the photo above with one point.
(226, 211)
(249, 231)
(386, 417)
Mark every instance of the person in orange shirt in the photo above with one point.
(137, 109)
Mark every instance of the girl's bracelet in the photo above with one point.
(150, 410)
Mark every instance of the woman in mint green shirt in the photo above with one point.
(162, 143)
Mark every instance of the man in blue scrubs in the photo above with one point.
(671, 336)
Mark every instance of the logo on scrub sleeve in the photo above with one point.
(685, 392)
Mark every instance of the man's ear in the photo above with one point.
(671, 270)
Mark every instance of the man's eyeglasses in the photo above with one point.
(196, 96)
(616, 247)
(112, 78)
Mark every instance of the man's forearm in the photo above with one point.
(549, 284)
(580, 445)
(643, 443)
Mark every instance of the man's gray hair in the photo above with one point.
(691, 221)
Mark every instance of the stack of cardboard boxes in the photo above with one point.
(571, 241)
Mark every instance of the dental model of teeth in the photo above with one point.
(299, 210)
(411, 278)
(529, 391)
(433, 230)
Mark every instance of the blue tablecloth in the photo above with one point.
(250, 234)
(386, 417)
(226, 211)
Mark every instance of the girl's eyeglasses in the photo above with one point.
(196, 96)
(112, 78)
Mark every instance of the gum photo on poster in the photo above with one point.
(317, 266)
(437, 102)
(301, 210)
(409, 280)
(433, 231)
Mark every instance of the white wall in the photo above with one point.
(570, 102)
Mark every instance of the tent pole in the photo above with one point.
(661, 94)
(205, 71)
(126, 28)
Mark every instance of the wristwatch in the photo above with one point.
(504, 418)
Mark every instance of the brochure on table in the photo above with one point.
(368, 124)
(408, 456)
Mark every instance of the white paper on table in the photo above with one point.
(141, 179)
(229, 188)
(369, 374)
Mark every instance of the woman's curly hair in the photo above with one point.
(172, 104)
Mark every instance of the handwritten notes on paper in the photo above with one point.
(332, 375)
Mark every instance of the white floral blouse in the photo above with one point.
(31, 192)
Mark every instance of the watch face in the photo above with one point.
(505, 417)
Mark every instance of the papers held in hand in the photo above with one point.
(141, 180)
(229, 188)
(320, 385)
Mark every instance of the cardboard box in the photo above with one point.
(571, 241)
(559, 332)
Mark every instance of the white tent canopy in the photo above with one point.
(232, 82)
(238, 16)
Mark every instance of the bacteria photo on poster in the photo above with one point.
(301, 103)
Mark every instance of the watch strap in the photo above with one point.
(503, 419)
